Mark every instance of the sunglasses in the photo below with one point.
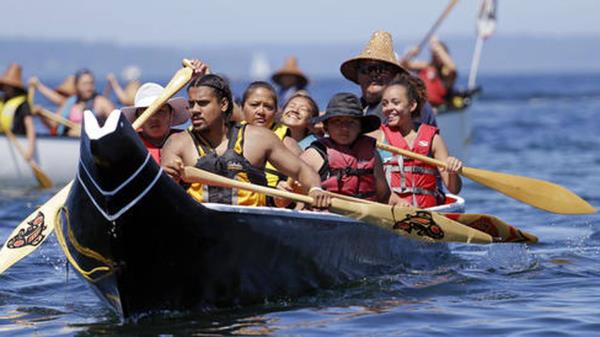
(375, 69)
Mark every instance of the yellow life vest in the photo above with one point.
(231, 164)
(8, 111)
(273, 176)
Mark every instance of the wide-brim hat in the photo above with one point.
(67, 87)
(379, 48)
(290, 68)
(12, 76)
(347, 104)
(147, 94)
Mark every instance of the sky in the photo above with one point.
(228, 22)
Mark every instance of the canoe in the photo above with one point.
(454, 122)
(144, 245)
(57, 157)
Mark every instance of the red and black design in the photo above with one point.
(422, 223)
(31, 236)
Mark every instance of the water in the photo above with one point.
(542, 126)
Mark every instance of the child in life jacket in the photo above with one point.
(347, 160)
(412, 180)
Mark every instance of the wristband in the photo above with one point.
(317, 188)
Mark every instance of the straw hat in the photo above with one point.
(67, 87)
(379, 48)
(290, 68)
(147, 94)
(12, 76)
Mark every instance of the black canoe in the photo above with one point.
(144, 245)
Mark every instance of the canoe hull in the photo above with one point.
(144, 245)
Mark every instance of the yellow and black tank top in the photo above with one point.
(273, 176)
(8, 110)
(232, 164)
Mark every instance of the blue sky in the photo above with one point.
(225, 22)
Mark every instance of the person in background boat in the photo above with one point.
(412, 180)
(238, 151)
(58, 95)
(86, 98)
(259, 105)
(158, 127)
(347, 160)
(125, 96)
(290, 79)
(297, 115)
(373, 69)
(439, 74)
(15, 112)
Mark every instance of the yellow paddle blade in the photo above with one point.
(42, 178)
(538, 193)
(413, 223)
(30, 233)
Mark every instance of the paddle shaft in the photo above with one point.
(411, 154)
(59, 119)
(437, 23)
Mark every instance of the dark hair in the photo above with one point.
(79, 73)
(415, 90)
(257, 85)
(303, 94)
(219, 86)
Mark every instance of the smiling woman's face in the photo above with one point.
(298, 113)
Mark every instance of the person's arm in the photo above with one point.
(178, 152)
(103, 106)
(449, 67)
(52, 95)
(116, 87)
(382, 190)
(289, 164)
(449, 175)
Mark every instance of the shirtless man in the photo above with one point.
(233, 150)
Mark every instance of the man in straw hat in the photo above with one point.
(157, 129)
(290, 79)
(373, 69)
(15, 112)
(237, 151)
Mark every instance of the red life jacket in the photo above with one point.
(436, 90)
(154, 151)
(348, 170)
(413, 180)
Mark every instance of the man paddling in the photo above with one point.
(233, 150)
(373, 69)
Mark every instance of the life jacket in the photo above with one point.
(232, 164)
(436, 90)
(8, 111)
(413, 180)
(348, 170)
(70, 112)
(273, 176)
(153, 149)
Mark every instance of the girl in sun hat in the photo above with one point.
(158, 128)
(347, 160)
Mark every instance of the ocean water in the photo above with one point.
(546, 127)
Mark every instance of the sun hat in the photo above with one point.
(379, 48)
(347, 104)
(12, 76)
(147, 94)
(290, 68)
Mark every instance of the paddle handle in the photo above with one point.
(437, 24)
(179, 80)
(59, 119)
(411, 154)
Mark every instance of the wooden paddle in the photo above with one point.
(499, 230)
(44, 218)
(435, 26)
(59, 119)
(39, 174)
(413, 223)
(538, 193)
